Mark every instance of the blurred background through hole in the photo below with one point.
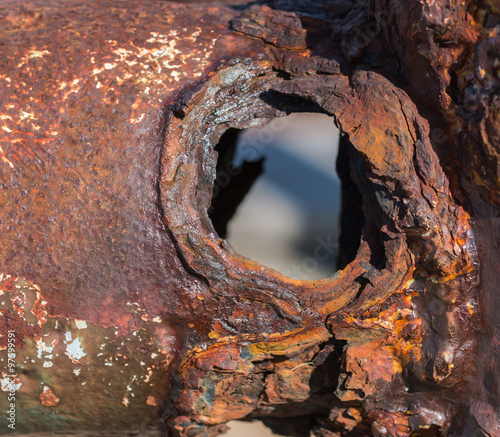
(277, 196)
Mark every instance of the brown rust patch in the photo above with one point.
(48, 398)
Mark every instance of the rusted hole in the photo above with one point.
(213, 184)
(277, 196)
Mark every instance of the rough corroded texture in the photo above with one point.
(130, 313)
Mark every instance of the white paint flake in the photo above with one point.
(81, 324)
(74, 350)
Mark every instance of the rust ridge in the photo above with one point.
(121, 308)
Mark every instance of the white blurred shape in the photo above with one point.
(248, 429)
(296, 202)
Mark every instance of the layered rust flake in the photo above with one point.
(130, 314)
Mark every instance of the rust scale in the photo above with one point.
(130, 313)
(48, 398)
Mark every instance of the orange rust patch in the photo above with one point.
(48, 398)
(39, 309)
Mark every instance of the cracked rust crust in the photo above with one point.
(130, 313)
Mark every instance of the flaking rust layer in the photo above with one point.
(129, 313)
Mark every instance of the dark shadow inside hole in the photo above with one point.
(290, 175)
(352, 218)
(355, 224)
(289, 103)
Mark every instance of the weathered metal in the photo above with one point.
(129, 312)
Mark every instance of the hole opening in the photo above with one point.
(283, 195)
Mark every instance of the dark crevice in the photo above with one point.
(374, 238)
(452, 88)
(289, 103)
(324, 379)
(283, 74)
(352, 218)
(363, 282)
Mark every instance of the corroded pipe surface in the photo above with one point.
(121, 309)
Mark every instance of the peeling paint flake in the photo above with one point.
(43, 348)
(80, 324)
(74, 351)
(38, 54)
(9, 381)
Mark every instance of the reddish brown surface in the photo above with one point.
(130, 312)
